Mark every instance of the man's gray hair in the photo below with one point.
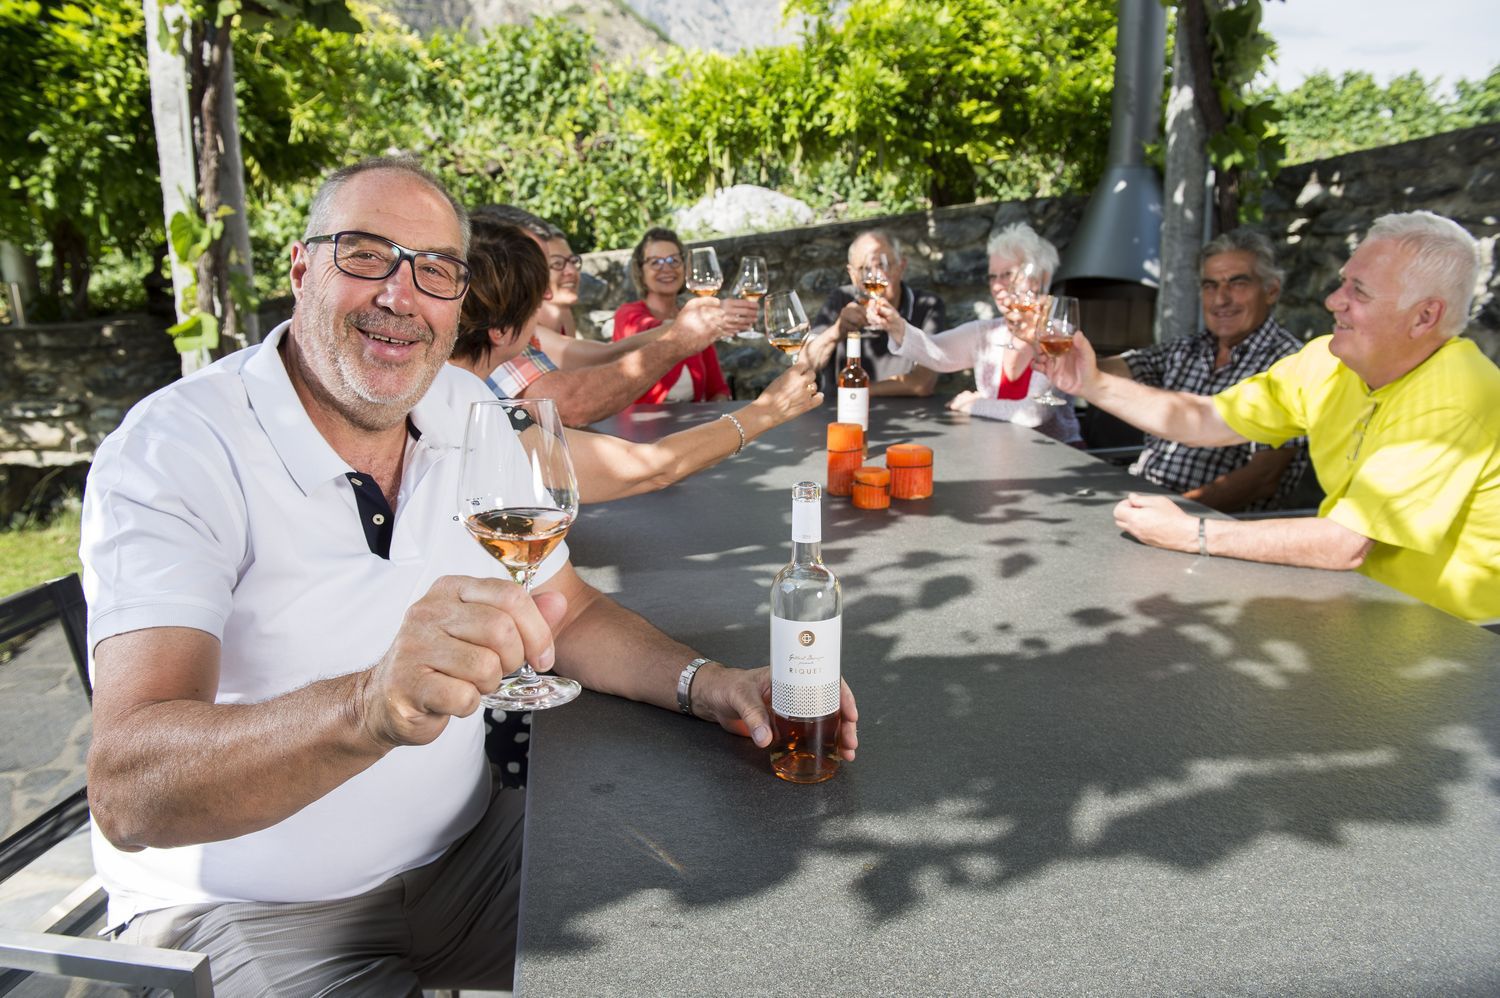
(1445, 262)
(898, 254)
(319, 215)
(1019, 241)
(1246, 241)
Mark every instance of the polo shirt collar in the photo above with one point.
(307, 457)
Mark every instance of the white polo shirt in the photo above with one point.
(217, 505)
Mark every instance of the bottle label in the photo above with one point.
(854, 406)
(805, 666)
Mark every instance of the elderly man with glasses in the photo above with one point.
(843, 314)
(1400, 415)
(290, 634)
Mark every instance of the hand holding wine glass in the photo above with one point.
(517, 496)
(704, 276)
(786, 322)
(1055, 338)
(751, 284)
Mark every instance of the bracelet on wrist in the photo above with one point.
(1203, 538)
(739, 428)
(685, 684)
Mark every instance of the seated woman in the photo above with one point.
(658, 269)
(1000, 350)
(509, 284)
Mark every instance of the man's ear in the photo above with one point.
(1428, 316)
(298, 270)
(1273, 293)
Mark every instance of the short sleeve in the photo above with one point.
(632, 318)
(1268, 407)
(1148, 365)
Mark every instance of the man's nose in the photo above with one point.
(398, 291)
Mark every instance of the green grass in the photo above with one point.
(36, 552)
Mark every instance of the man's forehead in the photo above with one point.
(1236, 263)
(399, 206)
(865, 246)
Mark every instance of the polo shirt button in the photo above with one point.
(378, 519)
(356, 481)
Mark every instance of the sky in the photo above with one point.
(1454, 39)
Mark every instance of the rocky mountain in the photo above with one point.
(623, 27)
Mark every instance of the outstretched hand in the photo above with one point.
(790, 395)
(1074, 371)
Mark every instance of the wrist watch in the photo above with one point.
(685, 684)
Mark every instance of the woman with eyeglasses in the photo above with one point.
(506, 291)
(658, 269)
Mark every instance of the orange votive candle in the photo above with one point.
(846, 447)
(911, 470)
(872, 487)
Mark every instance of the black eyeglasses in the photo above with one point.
(374, 258)
(564, 262)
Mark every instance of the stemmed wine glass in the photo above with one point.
(704, 276)
(751, 284)
(1026, 298)
(517, 496)
(1055, 338)
(786, 322)
(874, 279)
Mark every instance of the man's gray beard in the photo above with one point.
(355, 400)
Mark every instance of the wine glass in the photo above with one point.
(1026, 298)
(751, 284)
(786, 322)
(874, 278)
(1055, 338)
(704, 276)
(517, 496)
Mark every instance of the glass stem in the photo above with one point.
(526, 675)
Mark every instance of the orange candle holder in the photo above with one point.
(911, 470)
(846, 449)
(872, 487)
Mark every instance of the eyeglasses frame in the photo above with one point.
(403, 255)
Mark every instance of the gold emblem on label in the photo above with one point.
(806, 638)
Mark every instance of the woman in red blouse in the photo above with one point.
(658, 268)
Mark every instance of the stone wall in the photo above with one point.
(63, 387)
(1316, 212)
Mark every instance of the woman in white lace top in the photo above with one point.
(1000, 352)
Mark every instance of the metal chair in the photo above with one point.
(40, 629)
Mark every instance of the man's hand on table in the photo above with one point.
(1157, 521)
(456, 642)
(736, 699)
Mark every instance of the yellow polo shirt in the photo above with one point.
(1413, 465)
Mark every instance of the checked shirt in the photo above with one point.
(1186, 364)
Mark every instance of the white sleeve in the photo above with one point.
(952, 350)
(1022, 412)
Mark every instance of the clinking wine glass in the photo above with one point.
(751, 284)
(786, 322)
(1026, 298)
(704, 276)
(1055, 338)
(874, 279)
(517, 496)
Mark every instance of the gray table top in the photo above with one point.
(1086, 766)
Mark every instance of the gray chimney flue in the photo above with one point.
(1119, 238)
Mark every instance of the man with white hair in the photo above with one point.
(1400, 415)
(1239, 283)
(843, 314)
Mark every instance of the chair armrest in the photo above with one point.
(186, 975)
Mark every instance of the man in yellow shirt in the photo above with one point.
(1402, 418)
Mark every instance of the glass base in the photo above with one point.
(532, 693)
(1048, 399)
(749, 334)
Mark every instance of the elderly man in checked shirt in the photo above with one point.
(1240, 283)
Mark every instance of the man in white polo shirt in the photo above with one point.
(290, 635)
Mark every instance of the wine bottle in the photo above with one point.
(806, 634)
(854, 387)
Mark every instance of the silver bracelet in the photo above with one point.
(685, 684)
(738, 428)
(1203, 538)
